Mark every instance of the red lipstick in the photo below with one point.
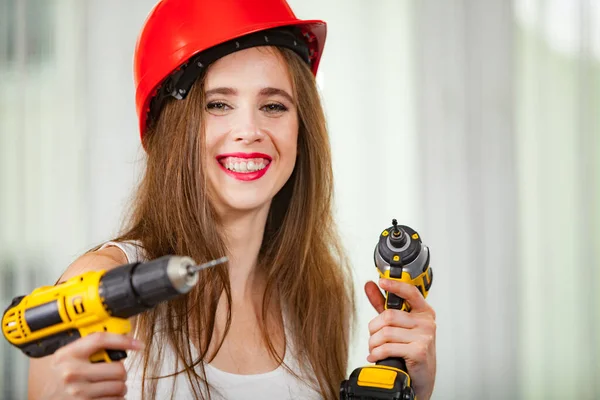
(244, 155)
(245, 176)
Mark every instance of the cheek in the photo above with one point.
(215, 135)
(288, 144)
(213, 131)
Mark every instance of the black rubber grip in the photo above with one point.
(49, 344)
(394, 362)
(118, 294)
(116, 355)
(113, 355)
(151, 282)
(43, 316)
(394, 301)
(132, 289)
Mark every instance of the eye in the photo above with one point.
(274, 108)
(217, 107)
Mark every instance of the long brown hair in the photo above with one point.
(301, 256)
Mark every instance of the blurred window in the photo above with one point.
(26, 31)
(29, 76)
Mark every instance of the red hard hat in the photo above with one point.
(178, 31)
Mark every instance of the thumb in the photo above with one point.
(375, 297)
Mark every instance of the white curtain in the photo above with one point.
(509, 132)
(42, 163)
(474, 122)
(558, 156)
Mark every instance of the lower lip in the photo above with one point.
(245, 176)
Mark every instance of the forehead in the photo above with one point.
(254, 67)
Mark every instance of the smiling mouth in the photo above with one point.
(244, 165)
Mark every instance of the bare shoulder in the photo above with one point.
(105, 259)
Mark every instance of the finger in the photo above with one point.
(110, 398)
(388, 350)
(394, 318)
(413, 353)
(407, 351)
(407, 292)
(389, 334)
(106, 389)
(375, 297)
(88, 345)
(71, 371)
(105, 372)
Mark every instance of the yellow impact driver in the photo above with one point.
(399, 255)
(97, 301)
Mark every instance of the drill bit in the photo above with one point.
(396, 231)
(192, 269)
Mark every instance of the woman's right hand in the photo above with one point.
(75, 377)
(68, 373)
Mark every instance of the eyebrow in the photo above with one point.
(268, 91)
(221, 90)
(271, 91)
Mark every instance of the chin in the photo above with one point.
(239, 204)
(246, 197)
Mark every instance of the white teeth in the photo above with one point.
(240, 165)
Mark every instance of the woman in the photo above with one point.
(238, 163)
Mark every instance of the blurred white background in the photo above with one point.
(475, 122)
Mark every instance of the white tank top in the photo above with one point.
(278, 384)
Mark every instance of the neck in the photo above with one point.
(243, 236)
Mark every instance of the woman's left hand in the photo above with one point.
(409, 335)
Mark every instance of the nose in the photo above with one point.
(248, 130)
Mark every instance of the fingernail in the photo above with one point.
(383, 282)
(137, 345)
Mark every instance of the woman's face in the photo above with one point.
(251, 128)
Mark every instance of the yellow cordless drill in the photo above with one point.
(399, 255)
(97, 301)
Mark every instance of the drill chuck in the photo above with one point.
(134, 288)
(413, 255)
(398, 237)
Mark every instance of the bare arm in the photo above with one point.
(57, 374)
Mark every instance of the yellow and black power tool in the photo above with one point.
(97, 301)
(399, 255)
